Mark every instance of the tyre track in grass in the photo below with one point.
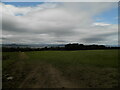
(23, 56)
(46, 76)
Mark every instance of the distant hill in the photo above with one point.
(32, 45)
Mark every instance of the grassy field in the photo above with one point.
(60, 69)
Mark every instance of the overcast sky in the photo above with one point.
(60, 23)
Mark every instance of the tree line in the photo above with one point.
(66, 47)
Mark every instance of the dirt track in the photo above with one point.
(46, 76)
(22, 56)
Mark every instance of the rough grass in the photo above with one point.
(77, 69)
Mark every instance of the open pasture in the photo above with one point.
(60, 69)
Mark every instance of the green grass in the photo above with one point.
(102, 58)
(86, 68)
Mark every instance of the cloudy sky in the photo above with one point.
(60, 22)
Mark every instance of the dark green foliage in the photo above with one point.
(66, 47)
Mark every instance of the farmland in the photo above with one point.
(60, 69)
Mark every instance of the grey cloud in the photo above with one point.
(65, 22)
(61, 41)
(93, 39)
(16, 27)
(99, 37)
(3, 38)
